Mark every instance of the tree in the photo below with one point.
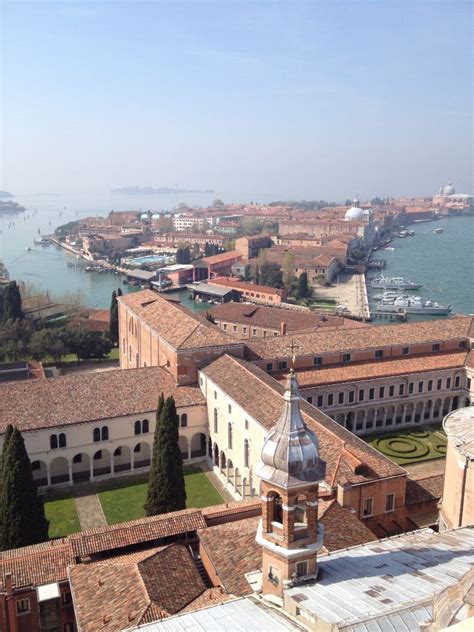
(114, 323)
(12, 309)
(218, 203)
(288, 269)
(22, 518)
(86, 344)
(271, 274)
(183, 255)
(166, 490)
(303, 290)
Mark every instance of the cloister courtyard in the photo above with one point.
(412, 445)
(110, 502)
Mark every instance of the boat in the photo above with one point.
(391, 294)
(394, 283)
(389, 248)
(28, 249)
(413, 305)
(436, 231)
(403, 234)
(43, 240)
(411, 233)
(11, 207)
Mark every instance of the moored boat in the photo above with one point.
(413, 305)
(394, 283)
(436, 231)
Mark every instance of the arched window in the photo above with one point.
(246, 453)
(276, 507)
(53, 442)
(105, 433)
(229, 436)
(98, 455)
(138, 447)
(77, 458)
(138, 427)
(184, 420)
(145, 426)
(96, 435)
(36, 465)
(62, 440)
(216, 420)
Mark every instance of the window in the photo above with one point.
(244, 330)
(411, 387)
(317, 361)
(225, 326)
(379, 354)
(406, 351)
(301, 569)
(462, 344)
(246, 453)
(229, 436)
(269, 366)
(351, 396)
(381, 391)
(282, 365)
(138, 447)
(96, 435)
(389, 502)
(346, 357)
(401, 389)
(138, 428)
(430, 385)
(216, 420)
(53, 442)
(457, 381)
(368, 508)
(436, 347)
(340, 398)
(235, 327)
(229, 409)
(420, 387)
(361, 395)
(468, 383)
(98, 455)
(448, 382)
(330, 399)
(246, 424)
(371, 393)
(215, 394)
(118, 452)
(309, 399)
(23, 606)
(36, 465)
(439, 384)
(77, 458)
(391, 390)
(184, 420)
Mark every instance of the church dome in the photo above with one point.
(355, 212)
(290, 453)
(449, 189)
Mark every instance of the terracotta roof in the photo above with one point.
(178, 326)
(374, 337)
(273, 317)
(241, 285)
(136, 531)
(223, 256)
(231, 562)
(424, 489)
(261, 396)
(115, 594)
(380, 368)
(38, 564)
(89, 396)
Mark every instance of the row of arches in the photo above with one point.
(83, 467)
(242, 485)
(381, 417)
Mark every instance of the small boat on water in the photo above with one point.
(43, 240)
(394, 283)
(411, 233)
(389, 295)
(413, 305)
(389, 248)
(28, 249)
(437, 231)
(403, 233)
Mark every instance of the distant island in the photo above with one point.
(157, 190)
(6, 194)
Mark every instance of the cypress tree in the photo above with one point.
(119, 292)
(166, 491)
(22, 518)
(114, 326)
(303, 287)
(12, 309)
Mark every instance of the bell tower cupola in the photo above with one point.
(290, 472)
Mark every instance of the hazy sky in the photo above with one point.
(288, 99)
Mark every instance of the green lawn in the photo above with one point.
(62, 516)
(411, 445)
(125, 500)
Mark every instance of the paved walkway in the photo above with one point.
(90, 512)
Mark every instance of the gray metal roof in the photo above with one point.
(215, 290)
(240, 615)
(459, 426)
(396, 579)
(143, 275)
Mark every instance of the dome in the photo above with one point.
(449, 189)
(354, 213)
(290, 453)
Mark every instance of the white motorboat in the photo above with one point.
(413, 305)
(394, 283)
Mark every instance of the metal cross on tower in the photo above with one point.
(293, 347)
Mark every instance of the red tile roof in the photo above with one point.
(223, 256)
(241, 285)
(424, 489)
(347, 457)
(88, 397)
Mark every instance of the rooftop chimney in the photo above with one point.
(282, 328)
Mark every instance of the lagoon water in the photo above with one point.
(443, 263)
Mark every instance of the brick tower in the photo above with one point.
(290, 472)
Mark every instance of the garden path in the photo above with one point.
(90, 512)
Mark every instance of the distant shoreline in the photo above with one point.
(157, 190)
